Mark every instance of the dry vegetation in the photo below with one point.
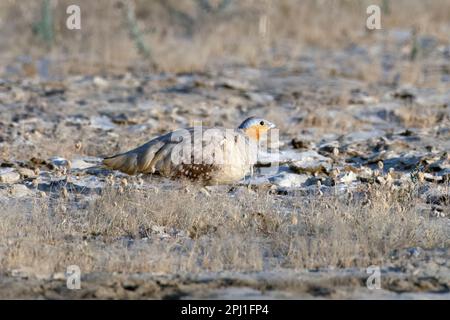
(148, 67)
(191, 35)
(188, 231)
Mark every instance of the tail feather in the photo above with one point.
(125, 162)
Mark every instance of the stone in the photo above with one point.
(103, 123)
(311, 162)
(26, 173)
(348, 177)
(289, 180)
(9, 175)
(100, 82)
(20, 190)
(287, 157)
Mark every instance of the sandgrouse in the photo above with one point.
(209, 155)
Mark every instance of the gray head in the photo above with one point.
(254, 127)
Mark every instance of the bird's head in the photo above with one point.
(255, 127)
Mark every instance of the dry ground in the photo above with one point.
(127, 243)
(371, 109)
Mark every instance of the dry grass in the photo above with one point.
(181, 36)
(414, 116)
(175, 231)
(122, 232)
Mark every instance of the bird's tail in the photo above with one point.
(125, 162)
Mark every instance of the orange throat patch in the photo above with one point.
(253, 133)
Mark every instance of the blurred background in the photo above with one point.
(197, 35)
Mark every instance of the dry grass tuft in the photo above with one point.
(179, 231)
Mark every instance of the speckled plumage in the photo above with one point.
(209, 155)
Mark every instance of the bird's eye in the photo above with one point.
(261, 123)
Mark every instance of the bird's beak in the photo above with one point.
(272, 126)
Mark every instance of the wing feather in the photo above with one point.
(206, 161)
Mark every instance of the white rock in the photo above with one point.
(59, 162)
(89, 182)
(283, 157)
(102, 122)
(20, 190)
(348, 177)
(289, 180)
(311, 162)
(9, 175)
(100, 82)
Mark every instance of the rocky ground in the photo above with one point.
(339, 133)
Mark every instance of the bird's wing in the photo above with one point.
(140, 159)
(182, 154)
(162, 154)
